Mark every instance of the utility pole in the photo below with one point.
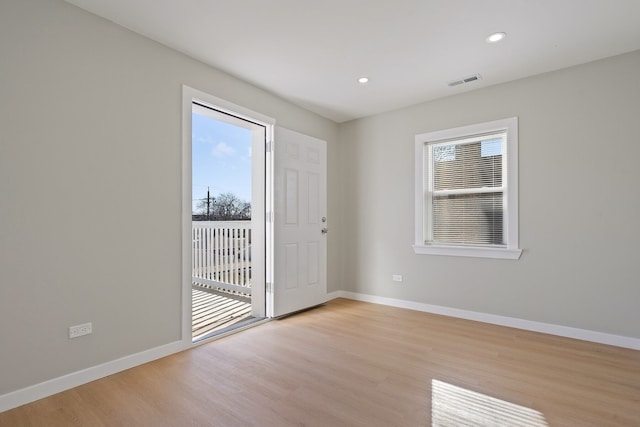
(208, 205)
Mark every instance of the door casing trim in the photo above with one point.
(262, 253)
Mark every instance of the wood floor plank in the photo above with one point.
(351, 363)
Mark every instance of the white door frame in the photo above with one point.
(262, 191)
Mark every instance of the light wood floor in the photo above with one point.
(350, 363)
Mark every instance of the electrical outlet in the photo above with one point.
(396, 278)
(80, 330)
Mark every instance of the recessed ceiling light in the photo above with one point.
(363, 80)
(496, 37)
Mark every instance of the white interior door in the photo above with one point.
(300, 223)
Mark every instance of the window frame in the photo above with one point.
(510, 250)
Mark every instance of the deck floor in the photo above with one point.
(213, 311)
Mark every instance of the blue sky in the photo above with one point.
(221, 159)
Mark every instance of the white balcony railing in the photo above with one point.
(222, 255)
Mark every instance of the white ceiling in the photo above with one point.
(312, 52)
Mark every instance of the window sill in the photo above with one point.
(475, 252)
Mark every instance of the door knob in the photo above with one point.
(325, 230)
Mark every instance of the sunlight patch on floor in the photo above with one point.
(459, 407)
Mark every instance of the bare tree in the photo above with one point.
(224, 207)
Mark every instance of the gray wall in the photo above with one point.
(579, 141)
(90, 186)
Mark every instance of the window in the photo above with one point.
(467, 191)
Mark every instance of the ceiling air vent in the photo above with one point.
(469, 79)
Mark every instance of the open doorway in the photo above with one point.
(227, 221)
(283, 253)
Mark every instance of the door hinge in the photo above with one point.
(269, 146)
(269, 287)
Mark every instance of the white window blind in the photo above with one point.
(466, 190)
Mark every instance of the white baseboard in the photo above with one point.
(528, 325)
(38, 391)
